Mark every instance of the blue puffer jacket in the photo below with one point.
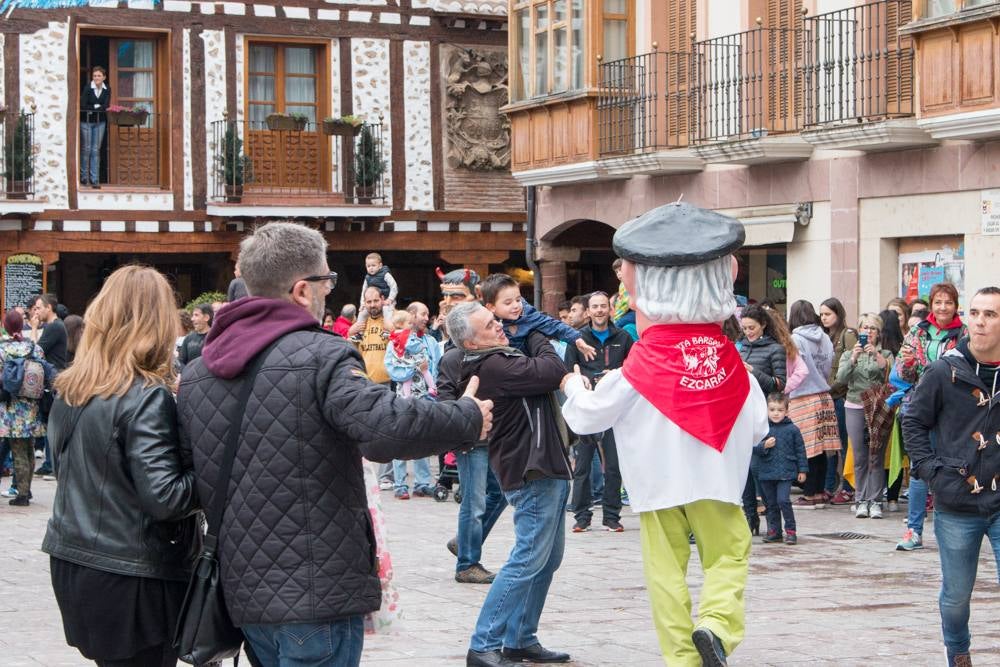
(788, 456)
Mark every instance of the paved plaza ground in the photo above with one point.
(827, 601)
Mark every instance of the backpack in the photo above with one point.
(25, 377)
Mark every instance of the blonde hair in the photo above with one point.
(374, 255)
(129, 333)
(871, 319)
(400, 318)
(779, 331)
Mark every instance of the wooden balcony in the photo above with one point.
(958, 69)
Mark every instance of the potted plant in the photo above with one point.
(368, 165)
(345, 126)
(295, 122)
(234, 168)
(19, 163)
(127, 116)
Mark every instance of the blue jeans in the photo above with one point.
(421, 474)
(959, 538)
(509, 617)
(778, 501)
(916, 504)
(91, 138)
(334, 644)
(482, 504)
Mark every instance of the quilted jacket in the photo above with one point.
(296, 540)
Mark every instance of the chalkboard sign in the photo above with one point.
(23, 278)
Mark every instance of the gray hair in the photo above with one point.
(459, 329)
(277, 254)
(686, 294)
(350, 311)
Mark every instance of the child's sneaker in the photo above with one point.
(911, 540)
(772, 537)
(790, 537)
(893, 506)
(402, 494)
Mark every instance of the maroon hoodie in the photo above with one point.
(246, 327)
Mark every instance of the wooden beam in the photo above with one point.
(437, 133)
(460, 216)
(198, 157)
(464, 257)
(177, 112)
(397, 122)
(72, 115)
(12, 71)
(231, 83)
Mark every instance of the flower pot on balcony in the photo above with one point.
(234, 194)
(17, 189)
(364, 193)
(127, 118)
(341, 128)
(279, 121)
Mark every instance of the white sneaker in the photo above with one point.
(875, 510)
(862, 512)
(386, 485)
(893, 506)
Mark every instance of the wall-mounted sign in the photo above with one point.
(991, 212)
(23, 278)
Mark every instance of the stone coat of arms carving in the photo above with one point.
(478, 133)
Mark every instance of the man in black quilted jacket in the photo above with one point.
(296, 544)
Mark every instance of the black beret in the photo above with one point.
(678, 235)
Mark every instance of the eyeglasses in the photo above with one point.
(332, 277)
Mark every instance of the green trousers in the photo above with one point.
(723, 540)
(23, 452)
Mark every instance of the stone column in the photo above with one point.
(552, 264)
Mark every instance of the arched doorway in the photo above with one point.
(576, 258)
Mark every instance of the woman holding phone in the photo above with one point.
(861, 368)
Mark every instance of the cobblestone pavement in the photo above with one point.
(826, 601)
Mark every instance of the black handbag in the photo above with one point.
(205, 632)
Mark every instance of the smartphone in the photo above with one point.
(863, 340)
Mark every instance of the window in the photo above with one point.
(935, 8)
(283, 79)
(549, 43)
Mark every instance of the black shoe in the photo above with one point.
(44, 470)
(709, 648)
(535, 653)
(486, 659)
(20, 501)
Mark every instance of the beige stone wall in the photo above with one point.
(43, 56)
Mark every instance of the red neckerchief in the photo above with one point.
(399, 339)
(955, 323)
(693, 374)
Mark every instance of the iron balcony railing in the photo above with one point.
(252, 161)
(858, 67)
(749, 84)
(132, 148)
(17, 162)
(644, 102)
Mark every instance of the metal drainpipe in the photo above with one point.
(529, 248)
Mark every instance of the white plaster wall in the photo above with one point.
(884, 220)
(43, 83)
(419, 160)
(215, 94)
(103, 200)
(3, 81)
(188, 171)
(824, 6)
(725, 17)
(370, 68)
(335, 112)
(809, 262)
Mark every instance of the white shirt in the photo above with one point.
(663, 466)
(97, 92)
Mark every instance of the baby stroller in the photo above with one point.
(448, 479)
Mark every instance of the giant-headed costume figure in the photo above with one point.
(686, 415)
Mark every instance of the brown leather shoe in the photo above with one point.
(477, 574)
(960, 660)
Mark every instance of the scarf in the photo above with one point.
(693, 375)
(956, 323)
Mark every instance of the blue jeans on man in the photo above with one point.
(482, 504)
(91, 138)
(328, 644)
(959, 538)
(509, 616)
(421, 475)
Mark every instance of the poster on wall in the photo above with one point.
(991, 212)
(919, 271)
(23, 278)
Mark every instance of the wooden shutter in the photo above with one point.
(899, 59)
(783, 60)
(682, 21)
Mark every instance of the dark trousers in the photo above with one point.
(892, 493)
(157, 656)
(817, 475)
(611, 503)
(778, 499)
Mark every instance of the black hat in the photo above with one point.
(678, 235)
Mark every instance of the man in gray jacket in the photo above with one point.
(297, 548)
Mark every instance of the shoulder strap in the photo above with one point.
(221, 497)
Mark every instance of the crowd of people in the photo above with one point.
(139, 453)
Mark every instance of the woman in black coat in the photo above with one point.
(766, 359)
(94, 101)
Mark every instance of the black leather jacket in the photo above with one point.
(126, 498)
